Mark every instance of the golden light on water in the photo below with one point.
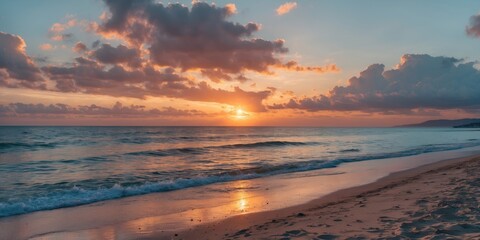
(243, 196)
(242, 204)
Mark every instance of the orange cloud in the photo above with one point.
(94, 77)
(294, 66)
(231, 8)
(56, 31)
(46, 47)
(286, 8)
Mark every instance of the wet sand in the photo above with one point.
(436, 201)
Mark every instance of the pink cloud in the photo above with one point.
(46, 47)
(286, 8)
(57, 30)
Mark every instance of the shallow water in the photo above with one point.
(53, 167)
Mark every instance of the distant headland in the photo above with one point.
(457, 123)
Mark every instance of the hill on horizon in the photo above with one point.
(443, 123)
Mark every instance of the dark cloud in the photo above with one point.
(96, 44)
(199, 37)
(473, 29)
(117, 110)
(89, 76)
(41, 59)
(418, 82)
(216, 75)
(18, 68)
(196, 38)
(120, 54)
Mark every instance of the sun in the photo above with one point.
(240, 114)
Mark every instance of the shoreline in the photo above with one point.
(248, 204)
(250, 225)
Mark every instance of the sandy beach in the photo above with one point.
(437, 201)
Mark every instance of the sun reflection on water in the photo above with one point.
(242, 205)
(243, 196)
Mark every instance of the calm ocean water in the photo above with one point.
(52, 167)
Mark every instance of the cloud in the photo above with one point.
(198, 38)
(16, 67)
(46, 47)
(418, 82)
(294, 66)
(59, 27)
(96, 44)
(56, 31)
(117, 110)
(80, 47)
(89, 76)
(219, 76)
(156, 47)
(286, 8)
(216, 75)
(65, 37)
(250, 101)
(231, 8)
(473, 29)
(120, 54)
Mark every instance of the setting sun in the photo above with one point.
(240, 114)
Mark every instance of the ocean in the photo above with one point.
(44, 168)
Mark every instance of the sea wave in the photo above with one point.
(6, 146)
(79, 196)
(267, 144)
(160, 137)
(201, 150)
(349, 150)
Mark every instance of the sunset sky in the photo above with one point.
(268, 63)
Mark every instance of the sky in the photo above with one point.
(238, 63)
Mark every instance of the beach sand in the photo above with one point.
(436, 201)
